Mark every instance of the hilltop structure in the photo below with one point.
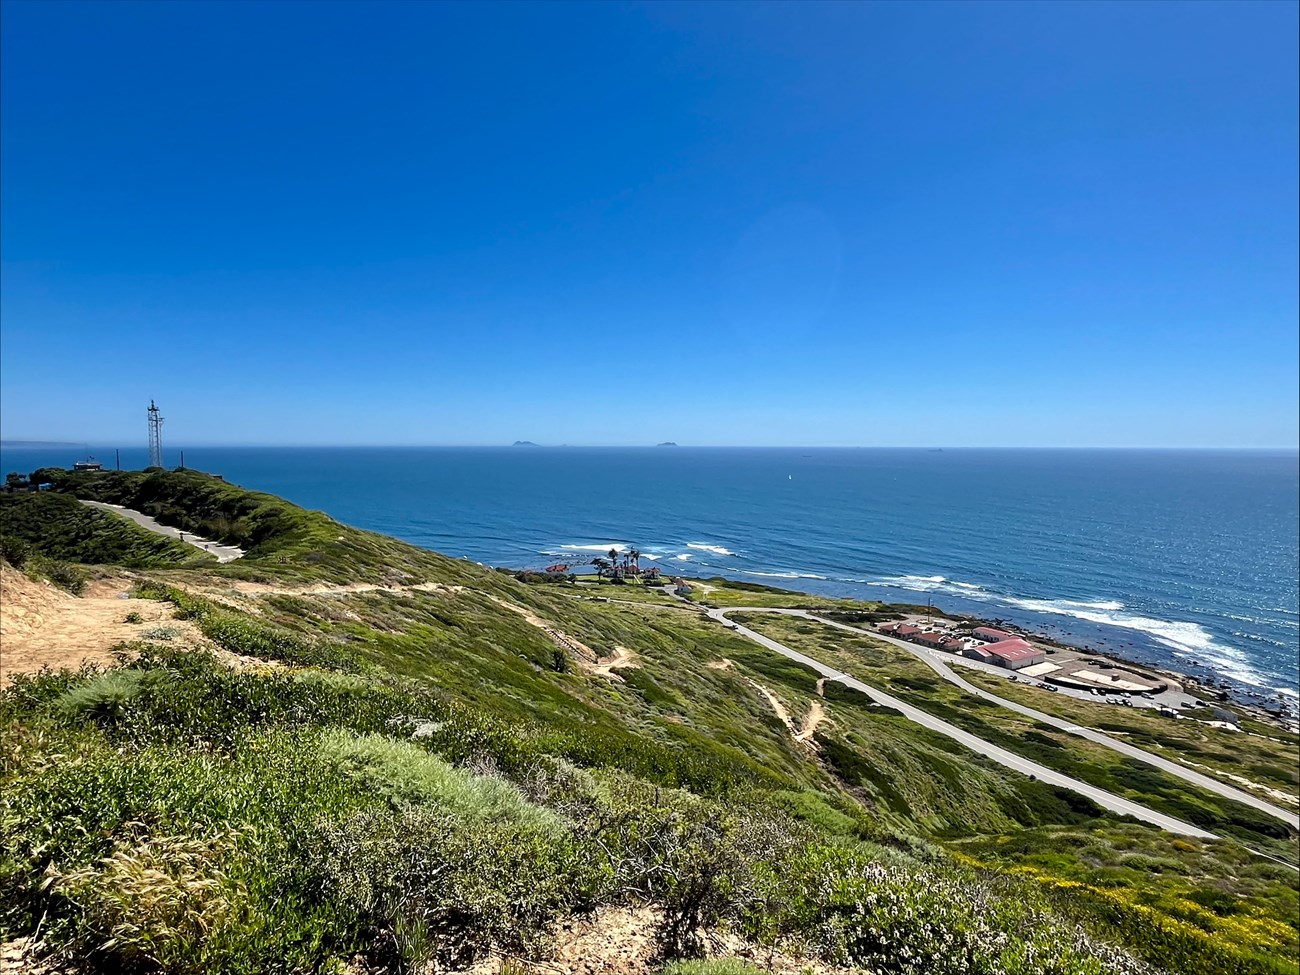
(155, 435)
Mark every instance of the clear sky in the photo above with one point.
(948, 224)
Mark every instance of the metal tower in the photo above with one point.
(155, 436)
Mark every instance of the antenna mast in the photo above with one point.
(155, 436)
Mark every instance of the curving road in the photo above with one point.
(223, 553)
(1107, 800)
(940, 667)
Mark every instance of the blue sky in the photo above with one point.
(950, 224)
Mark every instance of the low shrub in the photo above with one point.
(102, 700)
(429, 885)
(716, 966)
(64, 575)
(160, 902)
(14, 550)
(403, 772)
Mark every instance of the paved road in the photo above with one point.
(940, 667)
(1101, 797)
(224, 553)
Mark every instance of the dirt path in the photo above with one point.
(326, 588)
(815, 716)
(587, 658)
(43, 626)
(623, 657)
(1277, 795)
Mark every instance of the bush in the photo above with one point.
(894, 917)
(156, 902)
(718, 966)
(63, 575)
(102, 700)
(14, 551)
(429, 885)
(403, 772)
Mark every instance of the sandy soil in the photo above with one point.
(815, 716)
(621, 941)
(41, 625)
(18, 957)
(1277, 795)
(623, 657)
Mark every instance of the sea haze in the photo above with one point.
(1178, 558)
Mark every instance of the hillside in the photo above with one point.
(343, 752)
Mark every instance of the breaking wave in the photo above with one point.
(783, 575)
(921, 584)
(715, 549)
(1186, 640)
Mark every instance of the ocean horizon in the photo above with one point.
(1171, 557)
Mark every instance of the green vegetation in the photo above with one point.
(435, 769)
(60, 528)
(285, 542)
(906, 677)
(717, 591)
(1266, 757)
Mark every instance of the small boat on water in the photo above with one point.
(89, 464)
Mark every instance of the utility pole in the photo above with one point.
(155, 435)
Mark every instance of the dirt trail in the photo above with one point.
(326, 588)
(623, 657)
(802, 733)
(625, 941)
(815, 716)
(588, 659)
(41, 625)
(1277, 795)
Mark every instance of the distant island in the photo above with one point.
(524, 443)
(667, 443)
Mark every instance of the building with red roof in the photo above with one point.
(1015, 653)
(934, 640)
(978, 653)
(906, 630)
(990, 635)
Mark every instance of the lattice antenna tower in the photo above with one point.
(155, 435)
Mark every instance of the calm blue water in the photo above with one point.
(1182, 558)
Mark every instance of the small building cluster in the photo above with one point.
(985, 643)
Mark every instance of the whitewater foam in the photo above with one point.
(782, 575)
(715, 549)
(1187, 640)
(914, 583)
(617, 546)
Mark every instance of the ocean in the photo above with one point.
(1185, 559)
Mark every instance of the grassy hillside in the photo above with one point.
(413, 760)
(283, 541)
(899, 672)
(57, 526)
